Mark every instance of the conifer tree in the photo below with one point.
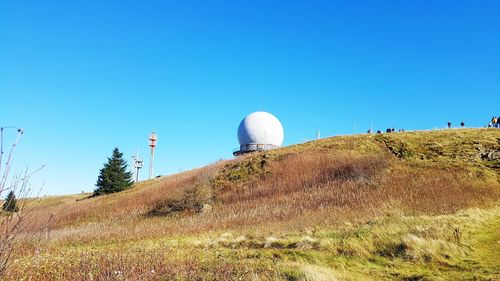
(10, 204)
(114, 176)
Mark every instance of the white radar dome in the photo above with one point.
(260, 131)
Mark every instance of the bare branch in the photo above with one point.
(12, 223)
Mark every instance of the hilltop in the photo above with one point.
(399, 206)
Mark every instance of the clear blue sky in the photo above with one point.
(85, 76)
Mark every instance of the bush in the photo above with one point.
(193, 200)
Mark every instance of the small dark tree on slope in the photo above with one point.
(114, 176)
(10, 204)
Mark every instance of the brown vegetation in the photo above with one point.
(314, 186)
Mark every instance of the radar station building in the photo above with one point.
(259, 131)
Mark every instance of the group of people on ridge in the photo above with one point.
(388, 130)
(495, 122)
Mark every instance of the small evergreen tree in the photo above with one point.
(114, 176)
(10, 204)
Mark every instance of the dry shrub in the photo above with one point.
(13, 222)
(193, 200)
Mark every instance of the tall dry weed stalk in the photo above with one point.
(12, 223)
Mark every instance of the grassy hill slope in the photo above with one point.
(401, 206)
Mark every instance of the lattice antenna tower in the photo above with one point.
(138, 164)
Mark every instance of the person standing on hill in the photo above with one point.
(449, 125)
(462, 124)
(494, 121)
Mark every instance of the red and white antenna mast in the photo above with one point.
(152, 143)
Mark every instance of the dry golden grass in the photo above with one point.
(309, 188)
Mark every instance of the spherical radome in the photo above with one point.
(261, 128)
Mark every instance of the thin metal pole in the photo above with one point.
(151, 162)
